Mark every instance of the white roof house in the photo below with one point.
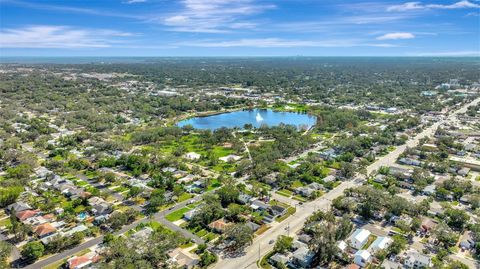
(414, 259)
(193, 156)
(381, 243)
(362, 258)
(342, 245)
(359, 238)
(230, 158)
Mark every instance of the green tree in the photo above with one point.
(283, 244)
(5, 250)
(398, 245)
(240, 235)
(33, 250)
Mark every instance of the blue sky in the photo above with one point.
(239, 28)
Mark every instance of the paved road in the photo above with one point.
(391, 157)
(159, 216)
(261, 246)
(291, 225)
(294, 222)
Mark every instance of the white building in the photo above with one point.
(193, 156)
(380, 243)
(359, 238)
(415, 260)
(362, 258)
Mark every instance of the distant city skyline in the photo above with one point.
(239, 28)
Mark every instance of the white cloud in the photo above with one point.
(395, 36)
(213, 16)
(135, 1)
(282, 43)
(46, 36)
(419, 6)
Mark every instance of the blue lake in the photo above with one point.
(255, 117)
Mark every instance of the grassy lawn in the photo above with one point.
(187, 245)
(5, 222)
(91, 174)
(201, 233)
(262, 229)
(284, 192)
(184, 196)
(296, 184)
(214, 183)
(290, 211)
(210, 236)
(371, 238)
(299, 198)
(263, 263)
(176, 215)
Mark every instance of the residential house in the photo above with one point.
(467, 241)
(17, 207)
(26, 214)
(381, 243)
(427, 225)
(429, 190)
(84, 261)
(193, 156)
(183, 258)
(277, 210)
(463, 172)
(219, 225)
(230, 158)
(362, 258)
(303, 257)
(100, 206)
(305, 191)
(388, 264)
(76, 229)
(44, 230)
(259, 206)
(278, 259)
(188, 216)
(329, 178)
(359, 238)
(253, 226)
(304, 238)
(317, 186)
(244, 198)
(329, 154)
(409, 161)
(415, 260)
(400, 172)
(142, 234)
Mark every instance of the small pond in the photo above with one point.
(255, 117)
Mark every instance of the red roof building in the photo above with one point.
(26, 214)
(44, 229)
